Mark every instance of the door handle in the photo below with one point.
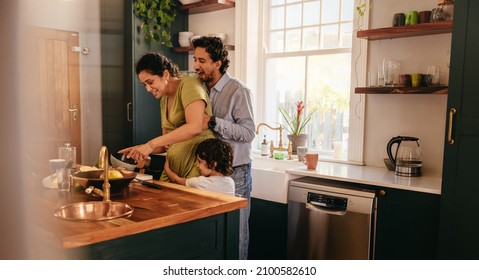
(452, 112)
(74, 111)
(128, 110)
(319, 208)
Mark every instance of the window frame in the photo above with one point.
(249, 51)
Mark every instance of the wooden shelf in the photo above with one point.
(190, 49)
(206, 6)
(432, 28)
(402, 90)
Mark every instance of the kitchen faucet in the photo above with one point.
(280, 128)
(103, 163)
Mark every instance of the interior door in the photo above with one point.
(57, 67)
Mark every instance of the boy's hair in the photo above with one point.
(215, 48)
(215, 150)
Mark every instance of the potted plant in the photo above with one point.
(295, 125)
(156, 18)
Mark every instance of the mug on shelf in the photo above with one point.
(416, 79)
(399, 19)
(412, 17)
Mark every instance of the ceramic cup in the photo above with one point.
(55, 164)
(311, 160)
(412, 17)
(399, 19)
(424, 16)
(405, 80)
(416, 79)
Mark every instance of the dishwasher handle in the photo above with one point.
(320, 208)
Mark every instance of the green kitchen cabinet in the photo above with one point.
(459, 225)
(210, 238)
(268, 228)
(131, 115)
(406, 225)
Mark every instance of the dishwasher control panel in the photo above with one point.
(328, 201)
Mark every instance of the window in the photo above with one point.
(307, 55)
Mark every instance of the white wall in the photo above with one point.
(82, 16)
(422, 116)
(222, 21)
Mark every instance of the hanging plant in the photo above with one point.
(156, 18)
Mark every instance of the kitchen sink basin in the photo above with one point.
(93, 211)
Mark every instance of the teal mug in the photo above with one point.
(412, 17)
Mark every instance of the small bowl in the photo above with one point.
(184, 42)
(92, 178)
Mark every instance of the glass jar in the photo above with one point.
(69, 153)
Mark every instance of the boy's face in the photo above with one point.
(203, 166)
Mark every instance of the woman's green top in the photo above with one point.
(181, 156)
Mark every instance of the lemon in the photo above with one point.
(113, 174)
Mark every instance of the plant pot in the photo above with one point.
(298, 141)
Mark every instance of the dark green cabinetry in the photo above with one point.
(407, 224)
(214, 237)
(131, 115)
(268, 228)
(459, 225)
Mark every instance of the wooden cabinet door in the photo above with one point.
(459, 226)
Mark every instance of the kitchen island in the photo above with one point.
(174, 222)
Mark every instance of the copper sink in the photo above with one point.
(93, 211)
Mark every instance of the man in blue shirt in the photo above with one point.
(232, 118)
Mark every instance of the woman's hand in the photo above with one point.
(138, 153)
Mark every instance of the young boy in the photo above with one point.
(215, 161)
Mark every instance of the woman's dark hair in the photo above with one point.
(215, 150)
(215, 48)
(155, 64)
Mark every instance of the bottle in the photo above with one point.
(264, 147)
(271, 149)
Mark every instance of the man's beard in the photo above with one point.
(206, 78)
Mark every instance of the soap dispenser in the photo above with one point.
(264, 147)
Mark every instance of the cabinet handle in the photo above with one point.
(452, 112)
(128, 110)
(382, 192)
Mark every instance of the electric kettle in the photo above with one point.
(407, 160)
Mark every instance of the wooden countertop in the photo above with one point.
(153, 208)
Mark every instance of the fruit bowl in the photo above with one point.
(92, 178)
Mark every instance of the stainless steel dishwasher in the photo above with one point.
(329, 220)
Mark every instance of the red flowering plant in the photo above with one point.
(294, 122)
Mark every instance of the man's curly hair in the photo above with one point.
(215, 48)
(215, 150)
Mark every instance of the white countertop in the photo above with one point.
(376, 176)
